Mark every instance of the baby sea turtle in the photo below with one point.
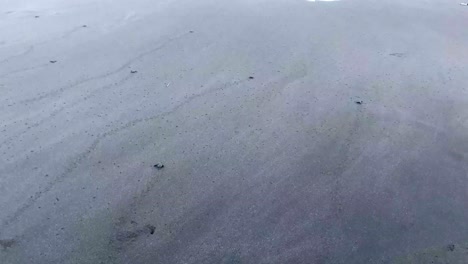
(158, 166)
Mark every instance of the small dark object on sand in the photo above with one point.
(191, 31)
(36, 16)
(151, 229)
(158, 166)
(7, 243)
(84, 26)
(251, 78)
(359, 102)
(53, 61)
(399, 55)
(133, 71)
(451, 247)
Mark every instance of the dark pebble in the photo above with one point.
(133, 71)
(53, 61)
(251, 78)
(359, 102)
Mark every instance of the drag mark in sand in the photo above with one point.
(27, 51)
(60, 109)
(104, 75)
(31, 48)
(25, 69)
(82, 156)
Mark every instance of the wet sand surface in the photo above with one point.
(290, 131)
